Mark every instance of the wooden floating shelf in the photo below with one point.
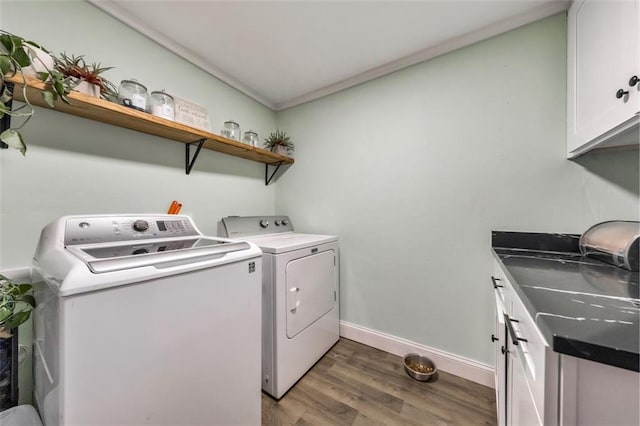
(118, 115)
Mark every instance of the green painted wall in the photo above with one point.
(413, 170)
(77, 166)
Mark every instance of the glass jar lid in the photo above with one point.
(133, 82)
(231, 123)
(250, 132)
(161, 94)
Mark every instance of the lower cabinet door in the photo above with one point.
(521, 409)
(500, 343)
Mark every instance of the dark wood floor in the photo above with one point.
(354, 384)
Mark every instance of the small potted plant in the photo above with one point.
(85, 78)
(279, 143)
(21, 57)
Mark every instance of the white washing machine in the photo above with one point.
(142, 320)
(300, 296)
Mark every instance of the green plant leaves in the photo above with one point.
(15, 320)
(13, 46)
(5, 64)
(13, 138)
(4, 98)
(49, 98)
(279, 137)
(16, 303)
(16, 53)
(28, 299)
(8, 42)
(24, 289)
(5, 313)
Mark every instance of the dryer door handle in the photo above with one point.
(293, 299)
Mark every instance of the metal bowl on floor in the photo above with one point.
(419, 367)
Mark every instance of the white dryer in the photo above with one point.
(140, 319)
(300, 296)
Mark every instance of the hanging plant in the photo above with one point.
(16, 304)
(16, 55)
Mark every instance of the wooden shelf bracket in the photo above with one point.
(189, 162)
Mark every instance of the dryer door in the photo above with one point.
(311, 287)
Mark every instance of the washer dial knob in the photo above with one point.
(264, 223)
(285, 222)
(140, 225)
(277, 222)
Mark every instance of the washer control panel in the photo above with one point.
(105, 229)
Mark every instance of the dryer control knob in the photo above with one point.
(285, 222)
(264, 223)
(140, 225)
(277, 222)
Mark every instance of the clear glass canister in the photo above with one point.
(133, 94)
(161, 104)
(251, 138)
(231, 130)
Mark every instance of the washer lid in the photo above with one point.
(102, 258)
(285, 242)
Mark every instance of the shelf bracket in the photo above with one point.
(267, 178)
(5, 121)
(189, 162)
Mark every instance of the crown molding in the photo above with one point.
(468, 39)
(121, 15)
(545, 10)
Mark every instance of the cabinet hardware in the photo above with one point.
(620, 93)
(512, 332)
(504, 350)
(495, 280)
(494, 338)
(633, 80)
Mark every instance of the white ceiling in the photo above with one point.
(284, 53)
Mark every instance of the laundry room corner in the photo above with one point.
(74, 165)
(414, 169)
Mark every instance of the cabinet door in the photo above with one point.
(500, 344)
(603, 55)
(520, 405)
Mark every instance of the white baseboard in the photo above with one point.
(454, 364)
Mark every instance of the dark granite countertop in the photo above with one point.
(583, 307)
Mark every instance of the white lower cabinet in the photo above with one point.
(537, 386)
(522, 387)
(595, 394)
(522, 409)
(499, 339)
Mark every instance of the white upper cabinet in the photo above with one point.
(603, 100)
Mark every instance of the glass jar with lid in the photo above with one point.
(231, 130)
(251, 138)
(161, 104)
(133, 94)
